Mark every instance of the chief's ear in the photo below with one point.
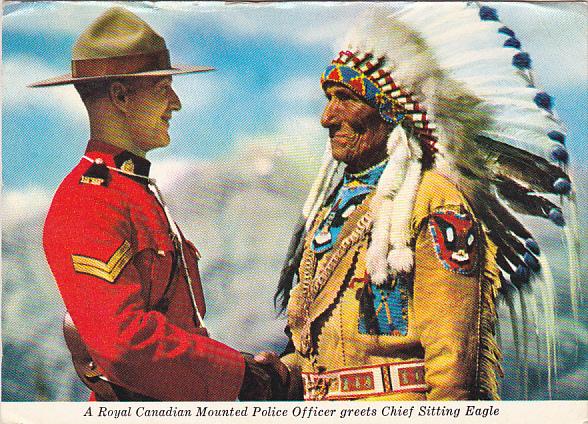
(118, 93)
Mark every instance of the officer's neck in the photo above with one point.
(109, 127)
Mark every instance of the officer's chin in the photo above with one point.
(163, 140)
(155, 143)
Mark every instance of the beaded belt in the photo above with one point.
(367, 381)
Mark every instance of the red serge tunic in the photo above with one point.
(108, 244)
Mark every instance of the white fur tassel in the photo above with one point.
(376, 262)
(398, 153)
(401, 256)
(383, 204)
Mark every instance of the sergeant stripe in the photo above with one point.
(107, 271)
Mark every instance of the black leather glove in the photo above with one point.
(279, 374)
(279, 387)
(257, 381)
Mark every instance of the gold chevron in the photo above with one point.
(107, 271)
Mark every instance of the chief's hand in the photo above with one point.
(257, 382)
(280, 375)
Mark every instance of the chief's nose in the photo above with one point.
(330, 113)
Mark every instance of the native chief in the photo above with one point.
(127, 275)
(437, 133)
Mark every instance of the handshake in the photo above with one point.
(266, 378)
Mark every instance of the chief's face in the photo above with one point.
(151, 103)
(358, 133)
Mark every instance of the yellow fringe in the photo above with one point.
(490, 356)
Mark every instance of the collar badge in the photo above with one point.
(128, 166)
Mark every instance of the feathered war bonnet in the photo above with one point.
(459, 89)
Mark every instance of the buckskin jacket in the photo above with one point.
(110, 248)
(425, 336)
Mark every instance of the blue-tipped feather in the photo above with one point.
(533, 246)
(520, 276)
(560, 154)
(544, 101)
(562, 186)
(556, 216)
(506, 31)
(512, 42)
(521, 60)
(531, 261)
(488, 13)
(557, 136)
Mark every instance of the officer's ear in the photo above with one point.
(118, 93)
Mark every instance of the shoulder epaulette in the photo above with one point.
(97, 174)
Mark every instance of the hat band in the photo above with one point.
(129, 64)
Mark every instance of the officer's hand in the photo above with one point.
(257, 382)
(279, 373)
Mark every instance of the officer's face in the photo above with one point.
(151, 103)
(358, 133)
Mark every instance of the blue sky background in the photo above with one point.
(268, 59)
(244, 148)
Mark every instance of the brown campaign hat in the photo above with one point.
(119, 44)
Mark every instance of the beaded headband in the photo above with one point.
(365, 76)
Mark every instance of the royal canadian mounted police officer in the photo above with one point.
(128, 277)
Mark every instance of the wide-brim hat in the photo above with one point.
(119, 44)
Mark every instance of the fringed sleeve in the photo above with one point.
(455, 284)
